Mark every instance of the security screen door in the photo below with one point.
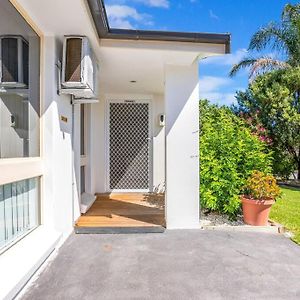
(129, 146)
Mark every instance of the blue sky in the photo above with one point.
(239, 17)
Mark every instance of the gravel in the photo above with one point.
(216, 219)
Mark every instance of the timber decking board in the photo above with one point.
(130, 210)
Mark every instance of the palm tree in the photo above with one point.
(282, 38)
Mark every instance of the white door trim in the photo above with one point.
(121, 99)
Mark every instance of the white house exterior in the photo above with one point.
(45, 166)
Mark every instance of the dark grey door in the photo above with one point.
(129, 146)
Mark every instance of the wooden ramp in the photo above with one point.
(124, 213)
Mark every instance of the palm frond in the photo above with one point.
(291, 12)
(266, 64)
(246, 62)
(273, 35)
(282, 38)
(291, 21)
(258, 66)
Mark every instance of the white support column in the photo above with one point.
(182, 146)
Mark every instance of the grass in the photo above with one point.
(286, 211)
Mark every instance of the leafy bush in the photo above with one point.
(273, 102)
(284, 164)
(229, 153)
(261, 186)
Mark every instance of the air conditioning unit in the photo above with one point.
(79, 68)
(14, 59)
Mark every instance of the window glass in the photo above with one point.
(82, 179)
(19, 85)
(19, 203)
(82, 129)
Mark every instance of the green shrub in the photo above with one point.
(229, 153)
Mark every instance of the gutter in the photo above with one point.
(99, 15)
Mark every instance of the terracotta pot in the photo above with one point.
(256, 212)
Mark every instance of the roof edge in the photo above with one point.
(99, 15)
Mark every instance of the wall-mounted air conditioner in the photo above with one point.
(14, 59)
(79, 68)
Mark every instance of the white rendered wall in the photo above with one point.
(60, 169)
(182, 146)
(97, 144)
(158, 142)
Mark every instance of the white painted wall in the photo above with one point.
(158, 140)
(57, 149)
(182, 146)
(98, 172)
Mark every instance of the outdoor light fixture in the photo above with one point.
(162, 120)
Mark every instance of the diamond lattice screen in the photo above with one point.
(129, 146)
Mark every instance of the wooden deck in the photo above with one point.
(124, 213)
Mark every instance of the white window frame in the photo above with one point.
(18, 169)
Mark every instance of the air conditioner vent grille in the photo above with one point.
(73, 60)
(9, 50)
(25, 55)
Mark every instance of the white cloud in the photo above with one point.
(213, 15)
(211, 89)
(226, 60)
(155, 3)
(211, 83)
(219, 98)
(150, 3)
(121, 16)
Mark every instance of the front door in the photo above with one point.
(129, 146)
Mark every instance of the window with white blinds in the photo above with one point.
(19, 209)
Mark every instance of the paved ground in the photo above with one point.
(174, 265)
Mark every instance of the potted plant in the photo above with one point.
(260, 193)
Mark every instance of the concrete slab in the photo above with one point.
(192, 264)
(245, 228)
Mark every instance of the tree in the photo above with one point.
(283, 38)
(275, 96)
(272, 102)
(229, 153)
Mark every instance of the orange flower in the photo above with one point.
(262, 186)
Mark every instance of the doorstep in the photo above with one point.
(119, 230)
(120, 213)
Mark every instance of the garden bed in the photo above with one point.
(217, 221)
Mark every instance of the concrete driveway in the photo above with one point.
(173, 265)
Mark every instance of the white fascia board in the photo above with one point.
(165, 46)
